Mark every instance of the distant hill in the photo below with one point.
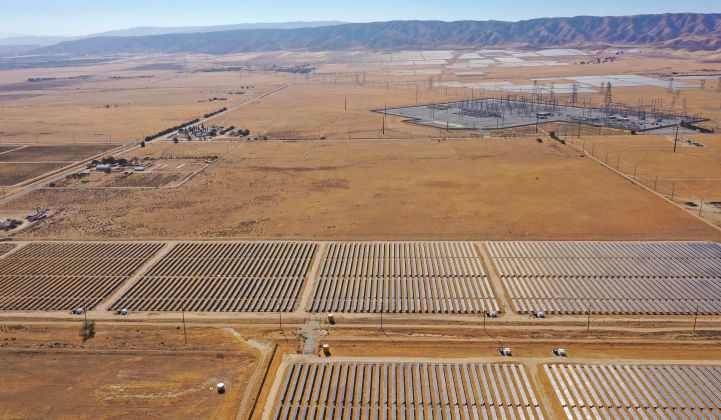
(157, 30)
(12, 39)
(683, 31)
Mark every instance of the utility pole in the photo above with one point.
(675, 141)
(381, 319)
(588, 322)
(673, 191)
(280, 322)
(695, 319)
(700, 208)
(385, 112)
(484, 315)
(185, 332)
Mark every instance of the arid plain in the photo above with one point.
(322, 165)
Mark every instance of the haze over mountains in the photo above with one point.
(10, 39)
(689, 31)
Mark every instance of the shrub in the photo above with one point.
(87, 331)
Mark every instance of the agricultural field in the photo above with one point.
(610, 278)
(5, 248)
(24, 163)
(318, 389)
(223, 277)
(417, 277)
(16, 173)
(65, 276)
(654, 391)
(66, 153)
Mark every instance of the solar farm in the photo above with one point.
(610, 278)
(387, 390)
(433, 278)
(430, 277)
(223, 277)
(637, 391)
(64, 276)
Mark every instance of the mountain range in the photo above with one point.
(690, 31)
(14, 39)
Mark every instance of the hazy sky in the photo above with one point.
(76, 17)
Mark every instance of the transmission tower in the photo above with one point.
(609, 96)
(574, 95)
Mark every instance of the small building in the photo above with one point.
(6, 224)
(104, 167)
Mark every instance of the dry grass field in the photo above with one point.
(487, 189)
(690, 176)
(121, 100)
(141, 371)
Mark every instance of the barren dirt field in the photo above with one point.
(489, 189)
(134, 372)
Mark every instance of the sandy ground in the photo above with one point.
(420, 189)
(123, 372)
